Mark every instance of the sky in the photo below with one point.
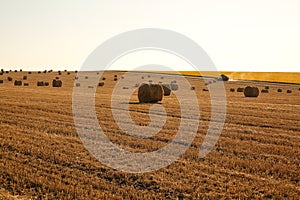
(238, 35)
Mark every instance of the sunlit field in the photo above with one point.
(256, 156)
(283, 77)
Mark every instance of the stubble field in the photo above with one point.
(42, 156)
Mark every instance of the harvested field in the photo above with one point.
(42, 156)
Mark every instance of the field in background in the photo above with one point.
(257, 155)
(283, 77)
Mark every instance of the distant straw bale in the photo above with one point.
(56, 83)
(9, 78)
(192, 88)
(18, 83)
(1, 81)
(251, 91)
(174, 86)
(264, 91)
(240, 89)
(24, 77)
(77, 84)
(115, 78)
(232, 90)
(46, 83)
(289, 91)
(101, 84)
(267, 87)
(167, 89)
(279, 90)
(26, 84)
(40, 83)
(205, 90)
(150, 93)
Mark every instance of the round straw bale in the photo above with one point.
(46, 83)
(77, 84)
(251, 91)
(289, 91)
(150, 93)
(29, 72)
(279, 90)
(9, 78)
(223, 77)
(103, 78)
(16, 70)
(1, 73)
(174, 86)
(232, 89)
(264, 91)
(1, 81)
(26, 84)
(40, 83)
(167, 89)
(240, 89)
(205, 90)
(86, 77)
(39, 72)
(68, 73)
(18, 83)
(192, 88)
(57, 77)
(142, 77)
(267, 87)
(24, 77)
(56, 83)
(115, 78)
(101, 84)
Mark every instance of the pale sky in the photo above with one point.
(254, 35)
